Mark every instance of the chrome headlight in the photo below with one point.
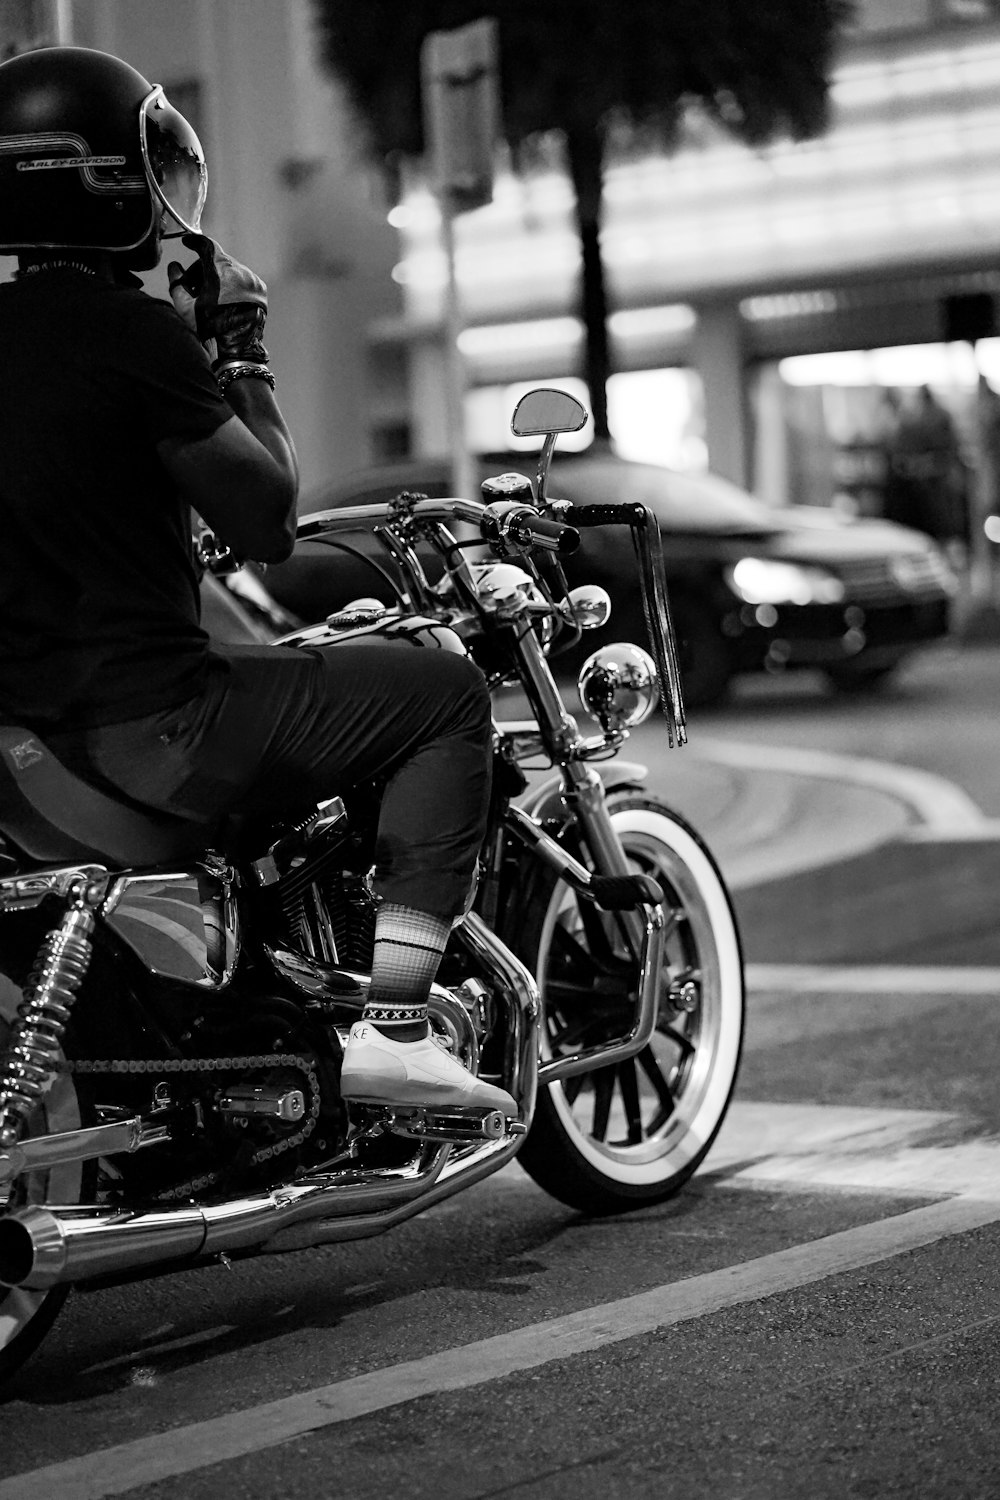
(590, 606)
(503, 588)
(767, 580)
(618, 686)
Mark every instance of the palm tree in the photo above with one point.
(603, 73)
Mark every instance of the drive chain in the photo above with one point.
(105, 1066)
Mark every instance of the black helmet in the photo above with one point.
(92, 156)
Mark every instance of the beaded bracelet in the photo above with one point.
(226, 374)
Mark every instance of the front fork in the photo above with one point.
(636, 900)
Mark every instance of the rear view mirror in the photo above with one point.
(543, 411)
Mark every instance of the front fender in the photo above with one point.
(545, 800)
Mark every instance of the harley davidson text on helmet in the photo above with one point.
(93, 156)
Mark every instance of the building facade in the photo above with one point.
(725, 265)
(288, 194)
(726, 261)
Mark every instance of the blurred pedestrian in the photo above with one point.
(926, 483)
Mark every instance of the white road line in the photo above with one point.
(128, 1466)
(876, 979)
(943, 808)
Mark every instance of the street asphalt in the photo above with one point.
(814, 1316)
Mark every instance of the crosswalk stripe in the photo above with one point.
(808, 1147)
(882, 979)
(943, 808)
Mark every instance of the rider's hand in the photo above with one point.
(221, 300)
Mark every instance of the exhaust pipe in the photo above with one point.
(43, 1247)
(40, 1247)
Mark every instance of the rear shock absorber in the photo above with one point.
(28, 1062)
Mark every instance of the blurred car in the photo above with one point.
(752, 588)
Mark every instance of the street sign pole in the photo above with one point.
(461, 125)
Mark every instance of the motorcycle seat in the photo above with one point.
(53, 816)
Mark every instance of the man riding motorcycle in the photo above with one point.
(122, 414)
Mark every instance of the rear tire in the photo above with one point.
(27, 1316)
(633, 1134)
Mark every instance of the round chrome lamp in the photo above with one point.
(618, 686)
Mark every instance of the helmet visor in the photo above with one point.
(174, 163)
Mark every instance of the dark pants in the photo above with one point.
(279, 729)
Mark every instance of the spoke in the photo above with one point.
(629, 1080)
(602, 954)
(602, 988)
(572, 1087)
(649, 1065)
(604, 1088)
(678, 1038)
(576, 956)
(569, 1035)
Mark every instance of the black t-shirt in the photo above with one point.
(99, 606)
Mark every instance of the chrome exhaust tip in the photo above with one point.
(18, 1252)
(41, 1247)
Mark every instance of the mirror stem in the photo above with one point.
(544, 459)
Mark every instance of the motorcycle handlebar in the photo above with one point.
(502, 522)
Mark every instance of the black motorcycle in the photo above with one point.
(172, 1021)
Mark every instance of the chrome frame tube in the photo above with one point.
(42, 1152)
(608, 1054)
(520, 1072)
(352, 516)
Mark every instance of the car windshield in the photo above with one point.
(680, 502)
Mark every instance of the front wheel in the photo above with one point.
(632, 1134)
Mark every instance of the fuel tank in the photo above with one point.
(359, 627)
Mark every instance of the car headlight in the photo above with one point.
(765, 580)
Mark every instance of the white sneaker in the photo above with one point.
(379, 1070)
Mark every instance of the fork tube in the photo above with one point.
(559, 730)
(583, 789)
(584, 796)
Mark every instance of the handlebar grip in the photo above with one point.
(507, 523)
(553, 536)
(624, 513)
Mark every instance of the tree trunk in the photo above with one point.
(583, 149)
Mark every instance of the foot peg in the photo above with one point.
(453, 1125)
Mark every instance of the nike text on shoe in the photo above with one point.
(378, 1070)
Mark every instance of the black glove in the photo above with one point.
(227, 301)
